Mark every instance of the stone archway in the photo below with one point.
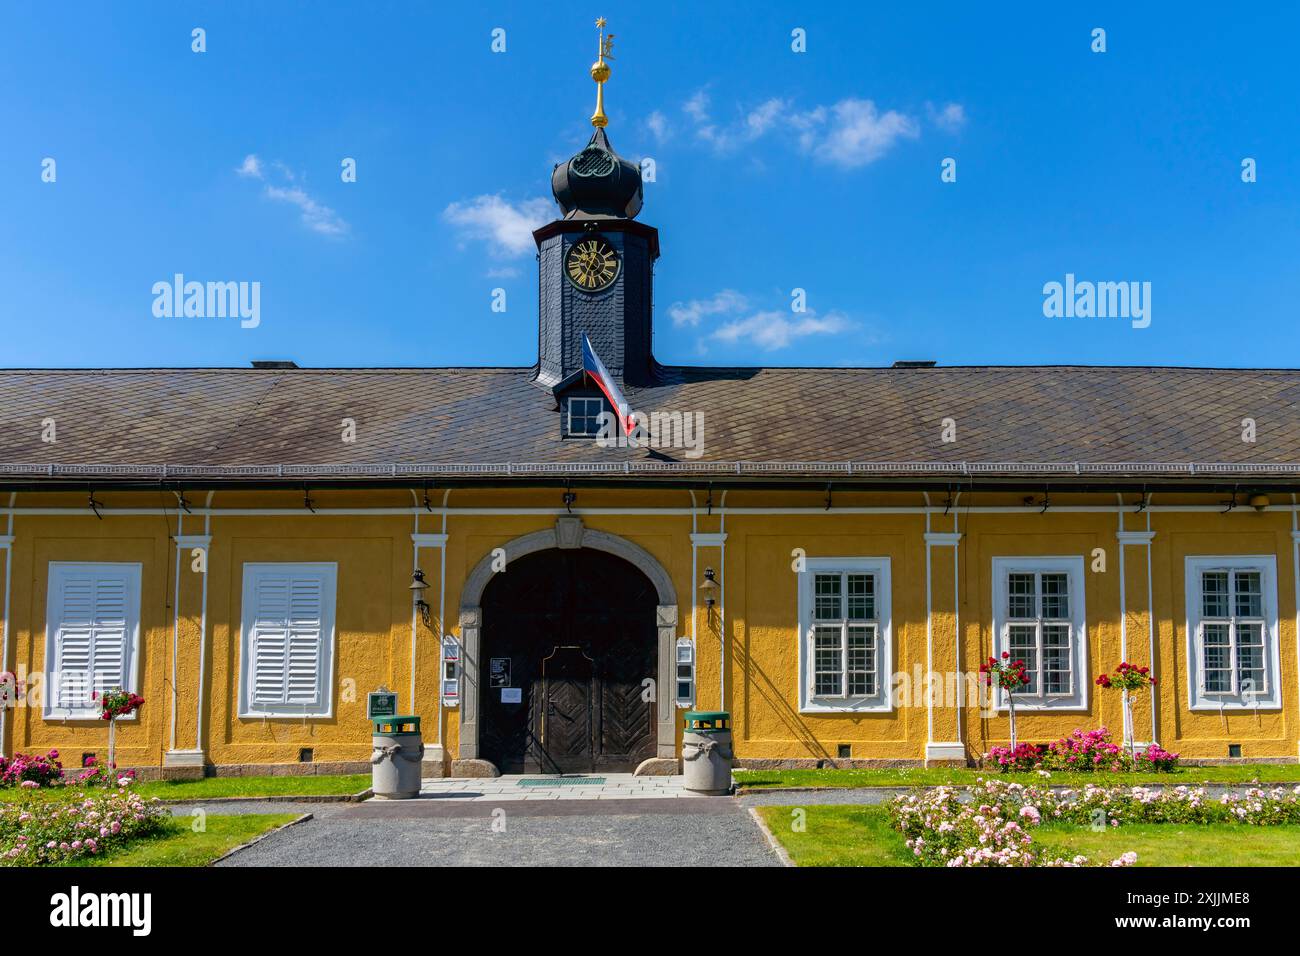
(569, 532)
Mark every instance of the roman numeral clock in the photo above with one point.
(592, 264)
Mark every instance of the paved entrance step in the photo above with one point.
(610, 786)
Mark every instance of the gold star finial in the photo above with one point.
(600, 72)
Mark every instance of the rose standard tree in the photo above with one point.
(1130, 679)
(116, 703)
(1010, 676)
(11, 689)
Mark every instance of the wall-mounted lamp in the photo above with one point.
(709, 590)
(418, 587)
(1259, 501)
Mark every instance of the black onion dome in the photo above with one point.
(597, 183)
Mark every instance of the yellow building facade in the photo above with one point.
(752, 652)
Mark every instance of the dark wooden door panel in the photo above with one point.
(567, 717)
(587, 701)
(626, 726)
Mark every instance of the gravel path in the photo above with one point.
(715, 832)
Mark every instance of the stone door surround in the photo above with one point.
(569, 532)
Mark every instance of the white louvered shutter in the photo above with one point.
(93, 611)
(302, 686)
(270, 639)
(289, 635)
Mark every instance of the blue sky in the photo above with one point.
(775, 170)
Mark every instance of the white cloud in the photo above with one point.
(746, 129)
(316, 216)
(697, 107)
(690, 313)
(775, 330)
(850, 133)
(759, 121)
(502, 272)
(251, 167)
(853, 133)
(506, 227)
(659, 126)
(950, 118)
(769, 330)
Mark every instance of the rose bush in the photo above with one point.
(27, 770)
(1084, 751)
(95, 774)
(1094, 805)
(1021, 758)
(942, 830)
(117, 703)
(36, 833)
(45, 772)
(992, 825)
(1010, 675)
(1129, 679)
(1262, 808)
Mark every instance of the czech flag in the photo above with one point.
(594, 367)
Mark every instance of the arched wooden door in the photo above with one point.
(568, 645)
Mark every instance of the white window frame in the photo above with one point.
(58, 571)
(1072, 567)
(568, 412)
(328, 570)
(882, 700)
(1266, 565)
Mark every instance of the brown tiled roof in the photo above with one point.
(761, 422)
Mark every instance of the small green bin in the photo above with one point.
(707, 721)
(396, 725)
(706, 751)
(395, 760)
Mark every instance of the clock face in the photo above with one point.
(592, 264)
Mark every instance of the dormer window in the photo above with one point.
(583, 416)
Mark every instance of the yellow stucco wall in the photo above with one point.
(373, 620)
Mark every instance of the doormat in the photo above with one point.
(560, 781)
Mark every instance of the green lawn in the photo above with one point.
(844, 835)
(933, 776)
(839, 835)
(210, 787)
(178, 845)
(1173, 844)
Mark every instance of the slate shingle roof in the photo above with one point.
(788, 422)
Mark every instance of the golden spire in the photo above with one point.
(600, 73)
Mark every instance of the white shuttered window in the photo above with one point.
(288, 640)
(92, 635)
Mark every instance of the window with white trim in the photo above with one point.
(1038, 615)
(583, 419)
(92, 635)
(1232, 631)
(844, 648)
(287, 640)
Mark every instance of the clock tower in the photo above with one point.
(596, 262)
